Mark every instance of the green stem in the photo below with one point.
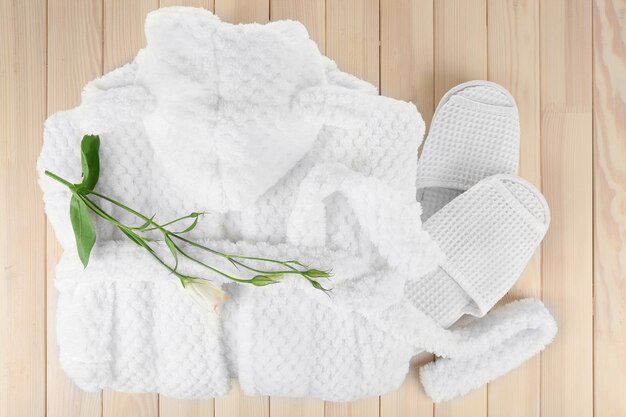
(189, 216)
(228, 256)
(165, 232)
(130, 232)
(147, 219)
(161, 228)
(124, 207)
(233, 258)
(266, 272)
(101, 213)
(61, 180)
(197, 245)
(252, 258)
(217, 271)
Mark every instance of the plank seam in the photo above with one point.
(45, 234)
(593, 213)
(102, 21)
(542, 249)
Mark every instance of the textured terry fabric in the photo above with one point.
(477, 352)
(474, 134)
(434, 199)
(293, 159)
(233, 119)
(346, 355)
(488, 235)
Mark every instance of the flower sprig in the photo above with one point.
(83, 202)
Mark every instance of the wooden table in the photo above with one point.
(563, 60)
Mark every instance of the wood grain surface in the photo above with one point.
(563, 60)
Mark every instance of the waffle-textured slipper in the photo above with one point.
(474, 134)
(488, 234)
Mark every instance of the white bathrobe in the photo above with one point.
(291, 159)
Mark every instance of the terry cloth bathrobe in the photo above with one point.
(291, 159)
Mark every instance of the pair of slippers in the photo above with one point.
(486, 220)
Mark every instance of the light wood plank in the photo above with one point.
(406, 73)
(302, 407)
(123, 37)
(407, 53)
(123, 404)
(236, 404)
(22, 221)
(473, 404)
(206, 4)
(74, 58)
(243, 11)
(410, 399)
(311, 13)
(460, 43)
(352, 37)
(367, 407)
(566, 147)
(123, 30)
(609, 121)
(460, 30)
(514, 63)
(513, 37)
(172, 407)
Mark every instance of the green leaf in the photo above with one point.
(191, 226)
(89, 148)
(297, 263)
(146, 224)
(232, 261)
(172, 247)
(84, 230)
(133, 236)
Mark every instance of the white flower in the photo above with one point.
(204, 292)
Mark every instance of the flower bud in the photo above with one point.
(317, 285)
(204, 292)
(262, 280)
(316, 273)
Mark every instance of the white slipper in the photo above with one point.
(474, 134)
(488, 234)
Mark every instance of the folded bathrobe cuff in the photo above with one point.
(476, 353)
